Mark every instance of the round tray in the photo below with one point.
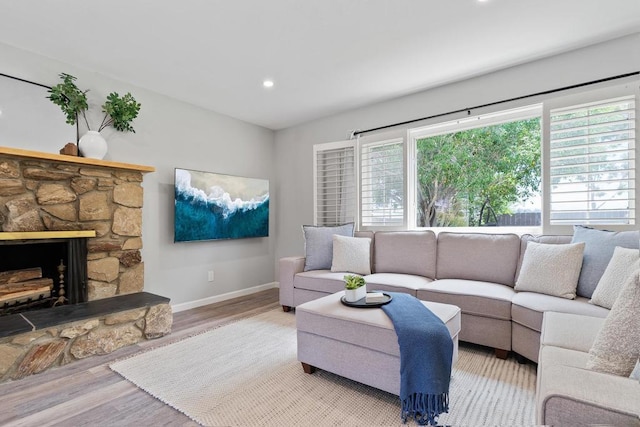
(361, 303)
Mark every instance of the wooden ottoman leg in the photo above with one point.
(308, 369)
(286, 308)
(501, 353)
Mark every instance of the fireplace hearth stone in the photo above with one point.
(34, 341)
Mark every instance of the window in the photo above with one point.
(592, 163)
(382, 199)
(480, 171)
(335, 183)
(570, 160)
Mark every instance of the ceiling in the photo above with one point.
(325, 56)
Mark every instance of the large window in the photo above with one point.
(570, 160)
(483, 171)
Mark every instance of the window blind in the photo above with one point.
(382, 183)
(592, 163)
(335, 184)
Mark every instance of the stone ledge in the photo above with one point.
(15, 324)
(62, 335)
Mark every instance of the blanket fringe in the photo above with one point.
(425, 408)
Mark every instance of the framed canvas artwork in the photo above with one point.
(212, 206)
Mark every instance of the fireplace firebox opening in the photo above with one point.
(60, 263)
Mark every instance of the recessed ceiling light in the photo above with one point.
(267, 83)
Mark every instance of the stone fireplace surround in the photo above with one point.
(49, 196)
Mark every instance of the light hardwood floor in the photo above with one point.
(88, 393)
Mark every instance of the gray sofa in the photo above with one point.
(568, 394)
(476, 272)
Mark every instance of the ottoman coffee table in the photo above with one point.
(358, 343)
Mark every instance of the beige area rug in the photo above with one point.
(247, 374)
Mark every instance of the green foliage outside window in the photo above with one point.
(459, 172)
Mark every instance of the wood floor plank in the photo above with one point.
(89, 393)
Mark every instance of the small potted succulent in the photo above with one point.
(355, 288)
(119, 112)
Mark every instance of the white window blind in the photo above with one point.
(335, 195)
(592, 163)
(382, 183)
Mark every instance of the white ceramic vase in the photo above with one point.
(353, 295)
(92, 145)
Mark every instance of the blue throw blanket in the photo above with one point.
(426, 349)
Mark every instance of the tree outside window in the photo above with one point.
(487, 169)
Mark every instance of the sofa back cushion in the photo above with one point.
(598, 250)
(476, 256)
(407, 252)
(368, 235)
(547, 239)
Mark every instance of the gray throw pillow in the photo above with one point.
(318, 244)
(635, 375)
(598, 250)
(617, 345)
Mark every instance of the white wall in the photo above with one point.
(170, 134)
(293, 147)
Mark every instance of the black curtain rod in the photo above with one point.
(468, 110)
(25, 81)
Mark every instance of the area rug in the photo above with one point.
(246, 374)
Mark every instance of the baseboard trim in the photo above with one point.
(219, 298)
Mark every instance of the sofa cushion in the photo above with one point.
(473, 297)
(319, 280)
(528, 308)
(351, 254)
(570, 331)
(551, 269)
(318, 244)
(623, 264)
(479, 257)
(617, 346)
(549, 239)
(406, 252)
(599, 247)
(395, 282)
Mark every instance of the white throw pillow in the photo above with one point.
(551, 269)
(623, 263)
(351, 254)
(616, 348)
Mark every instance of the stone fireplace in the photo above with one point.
(48, 199)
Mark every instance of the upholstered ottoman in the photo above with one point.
(358, 343)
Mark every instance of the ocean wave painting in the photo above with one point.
(210, 206)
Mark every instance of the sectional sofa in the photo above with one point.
(477, 272)
(512, 300)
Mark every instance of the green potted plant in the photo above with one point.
(355, 288)
(119, 112)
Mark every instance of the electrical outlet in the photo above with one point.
(210, 275)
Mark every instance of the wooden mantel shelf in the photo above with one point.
(28, 235)
(38, 155)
